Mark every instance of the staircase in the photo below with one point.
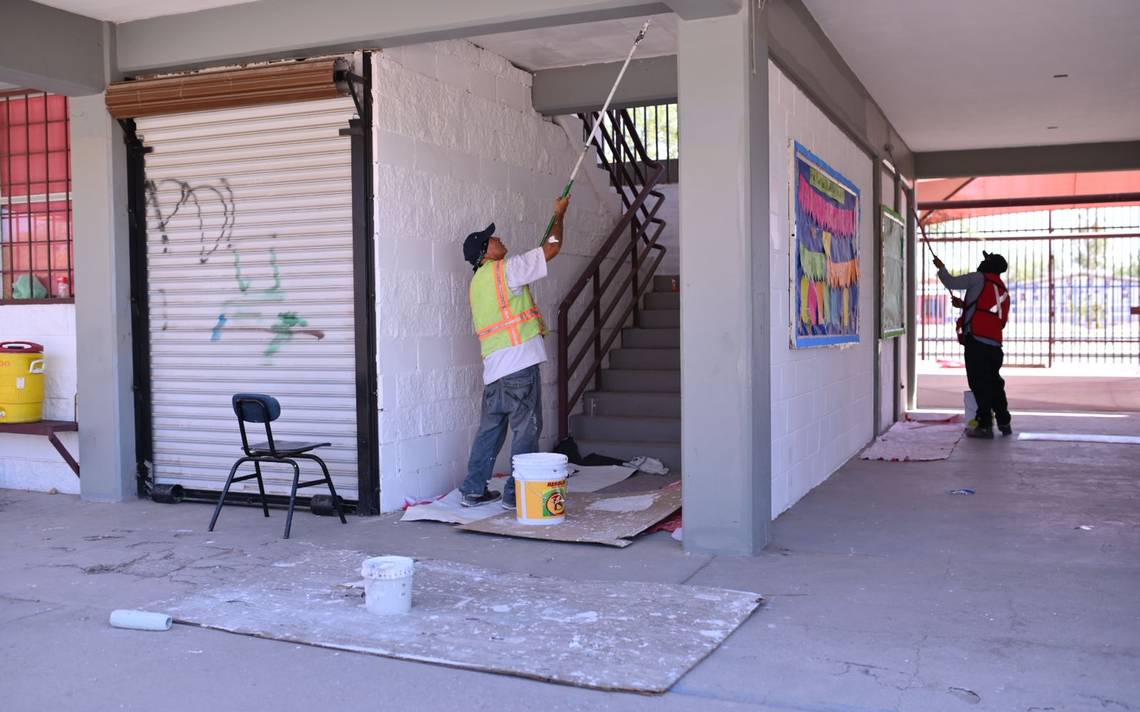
(637, 409)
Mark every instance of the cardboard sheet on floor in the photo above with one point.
(448, 509)
(1081, 438)
(910, 441)
(592, 518)
(628, 636)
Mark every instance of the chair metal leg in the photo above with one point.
(292, 497)
(261, 487)
(332, 490)
(225, 491)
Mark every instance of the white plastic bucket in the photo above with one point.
(970, 404)
(388, 584)
(540, 487)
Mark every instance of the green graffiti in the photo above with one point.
(243, 284)
(283, 331)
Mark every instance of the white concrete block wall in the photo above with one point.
(459, 146)
(29, 461)
(823, 398)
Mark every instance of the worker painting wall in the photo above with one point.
(458, 146)
(822, 398)
(29, 461)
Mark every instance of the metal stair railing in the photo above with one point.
(630, 250)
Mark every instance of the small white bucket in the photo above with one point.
(970, 404)
(388, 584)
(540, 487)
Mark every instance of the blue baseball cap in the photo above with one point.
(475, 246)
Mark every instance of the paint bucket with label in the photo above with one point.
(540, 487)
(388, 584)
(21, 382)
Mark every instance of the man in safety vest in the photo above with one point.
(510, 330)
(985, 311)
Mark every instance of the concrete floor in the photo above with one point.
(885, 593)
(1041, 390)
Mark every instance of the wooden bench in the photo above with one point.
(48, 428)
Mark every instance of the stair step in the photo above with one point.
(643, 359)
(660, 318)
(624, 427)
(664, 405)
(641, 381)
(663, 300)
(664, 282)
(643, 338)
(667, 453)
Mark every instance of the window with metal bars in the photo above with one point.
(657, 130)
(35, 198)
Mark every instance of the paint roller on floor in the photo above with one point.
(594, 131)
(140, 620)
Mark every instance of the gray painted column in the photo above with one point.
(725, 326)
(102, 303)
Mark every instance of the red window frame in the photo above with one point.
(36, 250)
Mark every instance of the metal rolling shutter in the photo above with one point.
(249, 254)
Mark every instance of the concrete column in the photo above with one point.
(725, 326)
(102, 303)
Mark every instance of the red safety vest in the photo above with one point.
(991, 312)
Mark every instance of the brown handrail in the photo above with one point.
(641, 226)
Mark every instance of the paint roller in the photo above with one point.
(956, 301)
(594, 131)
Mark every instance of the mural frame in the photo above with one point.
(825, 184)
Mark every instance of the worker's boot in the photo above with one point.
(1005, 428)
(984, 433)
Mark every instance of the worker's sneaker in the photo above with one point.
(475, 500)
(985, 433)
(509, 504)
(1006, 429)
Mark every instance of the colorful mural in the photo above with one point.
(826, 254)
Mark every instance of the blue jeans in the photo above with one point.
(515, 399)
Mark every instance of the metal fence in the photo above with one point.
(656, 127)
(1074, 284)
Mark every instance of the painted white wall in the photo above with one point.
(822, 398)
(458, 147)
(29, 461)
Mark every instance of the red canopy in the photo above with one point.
(1028, 186)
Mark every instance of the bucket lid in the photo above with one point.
(540, 459)
(388, 567)
(21, 347)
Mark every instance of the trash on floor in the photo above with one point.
(592, 518)
(447, 508)
(650, 465)
(964, 490)
(1082, 438)
(915, 441)
(140, 620)
(1083, 527)
(613, 635)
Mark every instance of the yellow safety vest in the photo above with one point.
(502, 319)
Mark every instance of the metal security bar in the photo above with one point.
(656, 129)
(35, 198)
(1073, 278)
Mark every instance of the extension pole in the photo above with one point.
(597, 124)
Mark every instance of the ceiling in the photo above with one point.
(979, 73)
(127, 10)
(586, 43)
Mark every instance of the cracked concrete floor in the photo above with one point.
(885, 593)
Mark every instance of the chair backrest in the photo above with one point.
(256, 408)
